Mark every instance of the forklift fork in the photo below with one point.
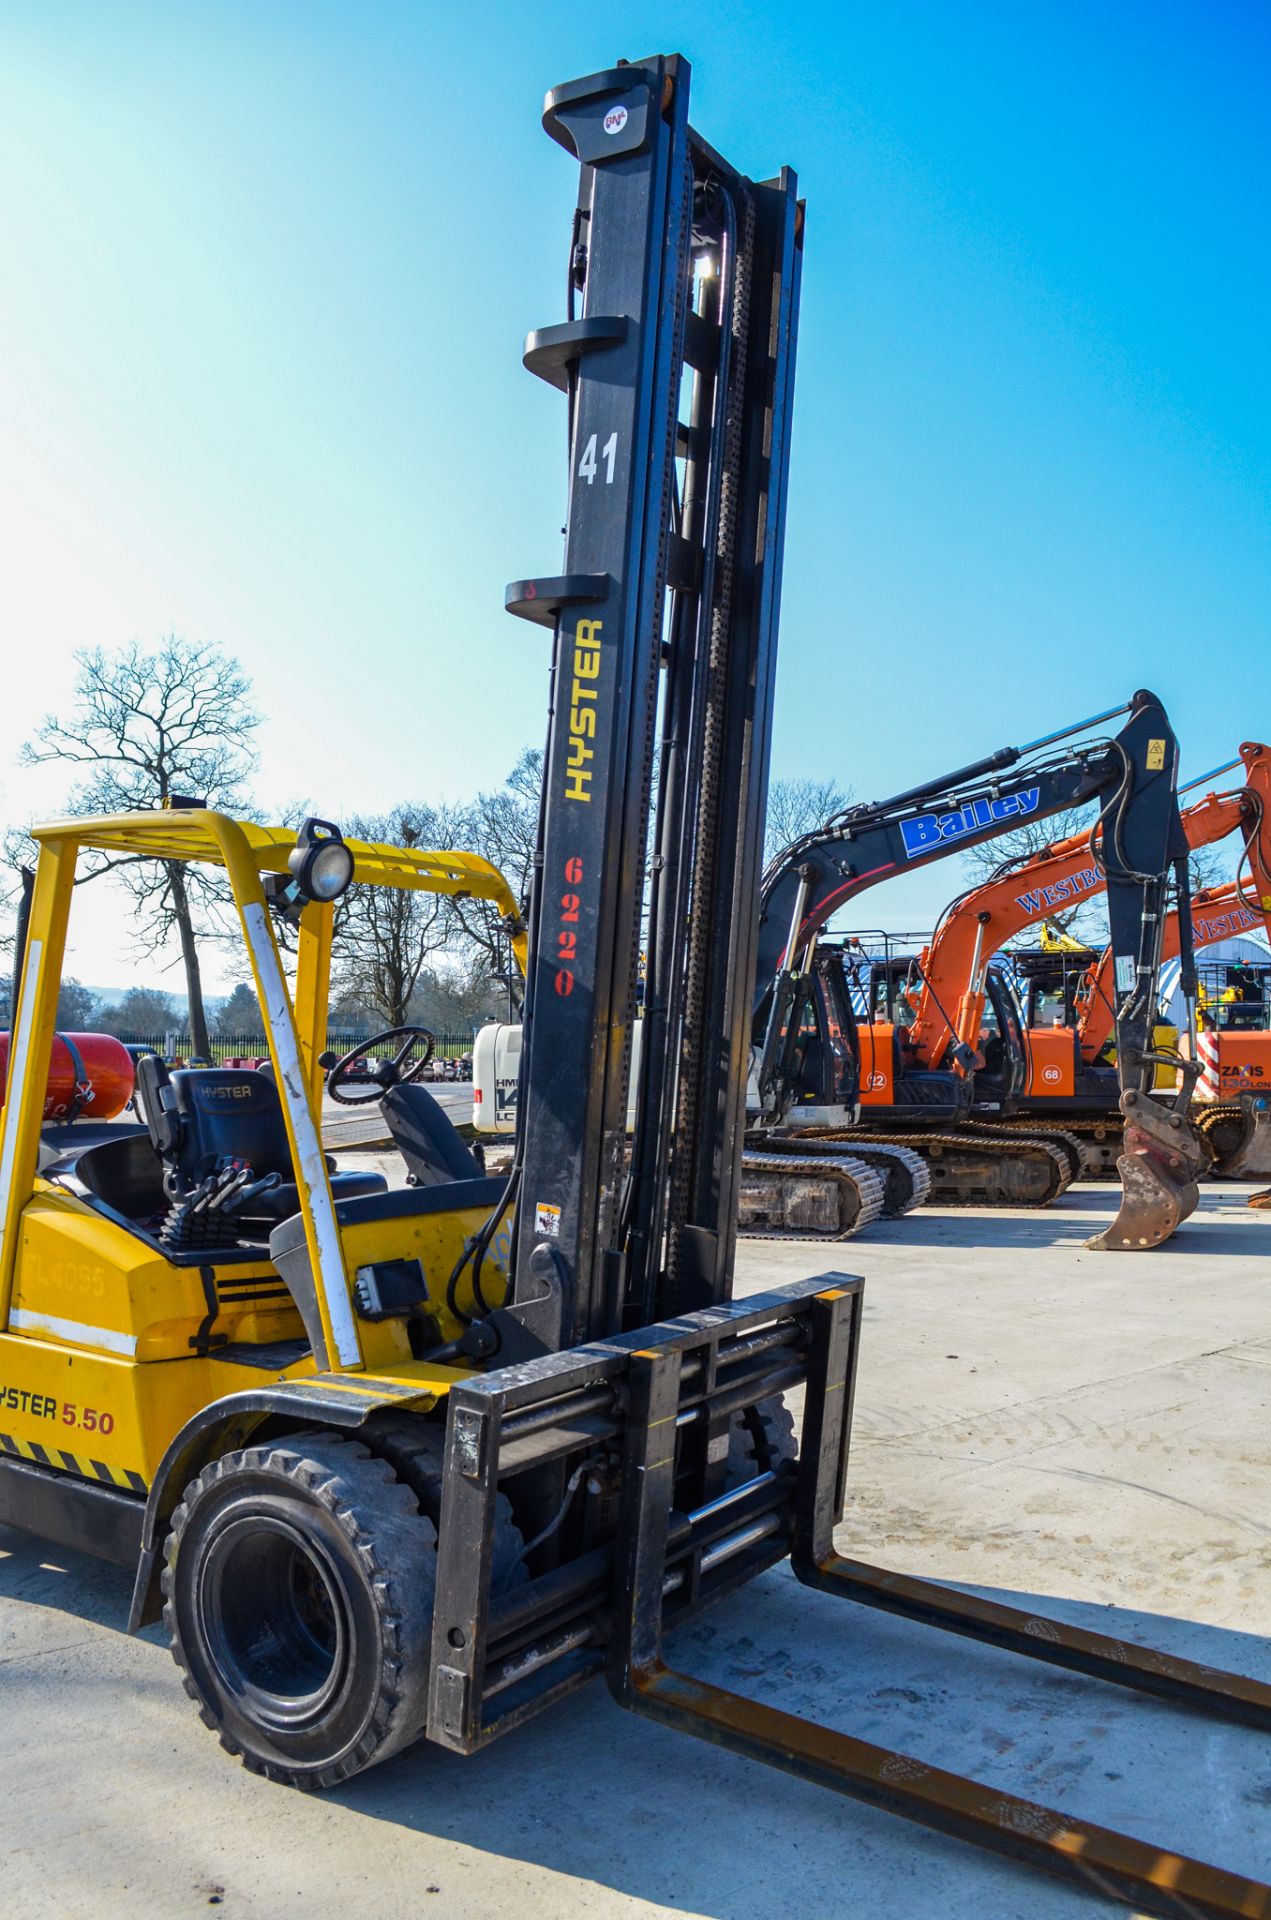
(495, 1665)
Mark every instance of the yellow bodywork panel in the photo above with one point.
(106, 1418)
(85, 1281)
(101, 1367)
(437, 1240)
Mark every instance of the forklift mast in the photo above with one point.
(677, 364)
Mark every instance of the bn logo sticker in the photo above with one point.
(615, 120)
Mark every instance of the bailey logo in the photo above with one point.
(928, 830)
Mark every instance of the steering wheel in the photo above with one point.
(379, 1075)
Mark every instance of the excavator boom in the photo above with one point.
(981, 922)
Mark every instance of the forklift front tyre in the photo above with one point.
(299, 1583)
(761, 1440)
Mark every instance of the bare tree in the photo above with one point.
(502, 826)
(147, 728)
(799, 807)
(384, 936)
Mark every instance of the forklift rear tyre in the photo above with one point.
(299, 1584)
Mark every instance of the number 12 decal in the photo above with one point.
(608, 453)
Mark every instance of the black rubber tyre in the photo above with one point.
(762, 1439)
(299, 1581)
(415, 1450)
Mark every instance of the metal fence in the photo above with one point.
(248, 1046)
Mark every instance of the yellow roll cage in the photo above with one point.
(295, 1025)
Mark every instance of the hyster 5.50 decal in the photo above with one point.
(928, 830)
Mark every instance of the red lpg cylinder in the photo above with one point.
(90, 1075)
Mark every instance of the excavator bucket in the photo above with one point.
(1252, 1158)
(1159, 1165)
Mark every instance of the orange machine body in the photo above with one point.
(1052, 1062)
(878, 1064)
(1243, 1063)
(90, 1076)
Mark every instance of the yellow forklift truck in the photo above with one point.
(423, 1460)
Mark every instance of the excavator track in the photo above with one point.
(981, 1167)
(792, 1193)
(906, 1179)
(1066, 1142)
(906, 1174)
(1097, 1137)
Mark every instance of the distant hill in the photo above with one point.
(111, 996)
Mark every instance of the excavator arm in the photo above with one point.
(1217, 913)
(1234, 1123)
(1134, 775)
(954, 968)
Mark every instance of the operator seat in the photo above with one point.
(201, 1119)
(423, 1133)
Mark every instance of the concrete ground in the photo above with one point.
(1082, 1432)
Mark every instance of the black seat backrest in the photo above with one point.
(424, 1136)
(201, 1117)
(230, 1113)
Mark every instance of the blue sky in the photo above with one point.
(267, 270)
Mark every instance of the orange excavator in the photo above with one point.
(1023, 1071)
(1231, 1109)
